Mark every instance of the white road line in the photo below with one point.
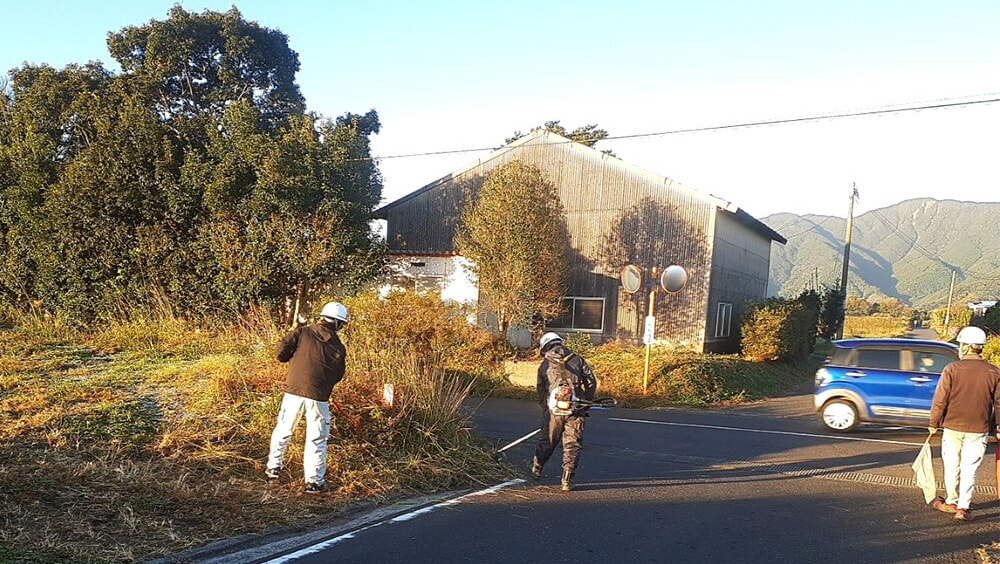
(319, 547)
(764, 431)
(521, 440)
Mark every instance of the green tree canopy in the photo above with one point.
(196, 175)
(514, 233)
(196, 64)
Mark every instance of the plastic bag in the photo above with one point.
(923, 472)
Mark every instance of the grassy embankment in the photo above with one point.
(675, 377)
(148, 436)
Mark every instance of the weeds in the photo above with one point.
(866, 326)
(685, 378)
(148, 436)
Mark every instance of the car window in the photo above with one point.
(930, 361)
(885, 359)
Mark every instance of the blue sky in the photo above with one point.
(453, 75)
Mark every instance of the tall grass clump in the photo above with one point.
(424, 328)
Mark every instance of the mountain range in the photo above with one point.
(906, 251)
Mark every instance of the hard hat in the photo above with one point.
(548, 338)
(972, 336)
(334, 311)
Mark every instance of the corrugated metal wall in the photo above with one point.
(740, 265)
(616, 214)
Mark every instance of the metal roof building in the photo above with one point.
(616, 214)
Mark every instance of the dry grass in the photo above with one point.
(675, 377)
(149, 437)
(869, 326)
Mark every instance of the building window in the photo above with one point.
(582, 314)
(723, 319)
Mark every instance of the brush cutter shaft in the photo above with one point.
(599, 402)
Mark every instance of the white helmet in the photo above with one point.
(548, 338)
(972, 336)
(334, 311)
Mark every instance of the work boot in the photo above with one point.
(536, 469)
(567, 477)
(272, 474)
(943, 506)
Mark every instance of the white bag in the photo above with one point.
(923, 471)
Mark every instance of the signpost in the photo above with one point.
(672, 280)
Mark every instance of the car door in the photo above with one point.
(877, 373)
(927, 365)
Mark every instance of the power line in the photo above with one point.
(940, 105)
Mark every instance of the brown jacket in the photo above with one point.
(966, 396)
(317, 361)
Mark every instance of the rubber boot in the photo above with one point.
(536, 469)
(567, 477)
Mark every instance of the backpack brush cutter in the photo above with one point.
(598, 403)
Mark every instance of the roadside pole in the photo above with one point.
(648, 335)
(947, 311)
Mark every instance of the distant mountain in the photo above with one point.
(906, 251)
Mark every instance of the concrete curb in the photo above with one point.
(264, 546)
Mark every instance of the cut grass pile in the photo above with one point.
(149, 437)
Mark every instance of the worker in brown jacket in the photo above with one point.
(967, 396)
(316, 359)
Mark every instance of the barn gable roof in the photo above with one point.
(544, 136)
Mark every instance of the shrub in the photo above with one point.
(960, 316)
(991, 352)
(421, 327)
(777, 329)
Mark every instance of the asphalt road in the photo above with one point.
(757, 483)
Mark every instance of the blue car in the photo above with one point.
(880, 381)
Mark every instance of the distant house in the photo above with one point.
(979, 308)
(616, 214)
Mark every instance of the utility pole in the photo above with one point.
(947, 312)
(847, 258)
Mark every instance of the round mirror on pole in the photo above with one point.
(631, 277)
(674, 278)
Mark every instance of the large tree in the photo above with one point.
(195, 174)
(514, 234)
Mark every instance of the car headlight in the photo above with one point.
(822, 377)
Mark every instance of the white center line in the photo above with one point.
(764, 431)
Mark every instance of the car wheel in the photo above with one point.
(840, 415)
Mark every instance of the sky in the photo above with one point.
(446, 75)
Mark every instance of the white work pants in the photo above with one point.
(317, 414)
(961, 453)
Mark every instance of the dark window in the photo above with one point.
(585, 314)
(588, 314)
(884, 359)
